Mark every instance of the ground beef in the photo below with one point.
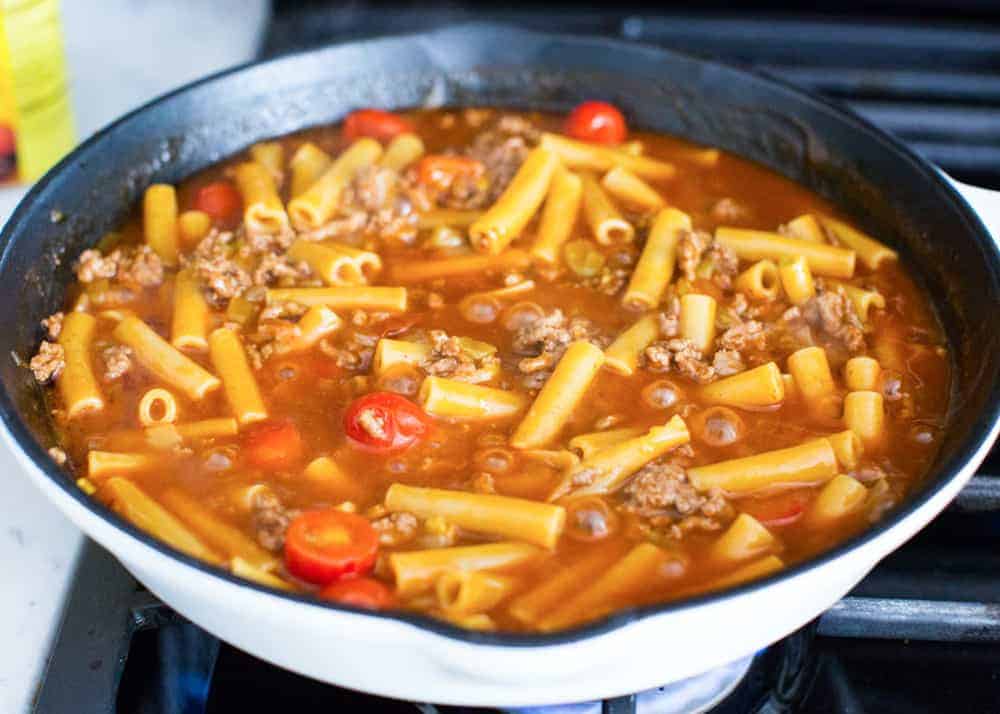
(221, 277)
(354, 353)
(58, 455)
(610, 281)
(746, 335)
(447, 359)
(678, 355)
(698, 246)
(729, 210)
(48, 363)
(832, 314)
(396, 528)
(344, 226)
(283, 310)
(93, 266)
(501, 147)
(379, 203)
(669, 319)
(281, 270)
(544, 340)
(270, 519)
(133, 267)
(53, 325)
(117, 361)
(727, 362)
(661, 492)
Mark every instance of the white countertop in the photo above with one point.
(139, 49)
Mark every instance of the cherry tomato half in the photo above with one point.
(273, 445)
(777, 511)
(366, 593)
(322, 546)
(375, 123)
(220, 200)
(385, 421)
(597, 122)
(440, 170)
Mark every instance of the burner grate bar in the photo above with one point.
(981, 493)
(926, 620)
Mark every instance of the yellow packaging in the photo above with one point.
(36, 122)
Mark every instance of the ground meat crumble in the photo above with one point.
(134, 267)
(396, 528)
(661, 493)
(544, 340)
(448, 359)
(270, 519)
(117, 361)
(48, 363)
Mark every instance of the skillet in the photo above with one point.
(885, 188)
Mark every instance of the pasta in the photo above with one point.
(238, 381)
(605, 220)
(530, 521)
(313, 207)
(157, 406)
(417, 570)
(861, 373)
(697, 320)
(192, 226)
(270, 155)
(870, 252)
(762, 386)
(343, 298)
(420, 271)
(553, 406)
(656, 263)
(263, 211)
(810, 463)
(864, 414)
(760, 281)
(806, 227)
(308, 163)
(558, 217)
(797, 280)
(622, 355)
(336, 263)
(581, 155)
(822, 259)
(78, 386)
(159, 221)
(839, 498)
(163, 360)
(745, 539)
(189, 325)
(588, 444)
(402, 151)
(504, 220)
(461, 400)
(629, 188)
(462, 593)
(608, 468)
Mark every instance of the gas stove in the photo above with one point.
(919, 634)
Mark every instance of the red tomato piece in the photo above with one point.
(220, 200)
(7, 145)
(366, 593)
(273, 445)
(375, 123)
(385, 421)
(777, 511)
(440, 170)
(597, 122)
(323, 546)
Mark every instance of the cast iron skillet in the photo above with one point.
(887, 190)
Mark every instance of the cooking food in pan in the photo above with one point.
(515, 371)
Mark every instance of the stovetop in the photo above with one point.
(919, 634)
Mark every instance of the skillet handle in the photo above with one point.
(985, 203)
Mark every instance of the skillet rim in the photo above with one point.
(979, 432)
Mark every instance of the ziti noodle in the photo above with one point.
(508, 370)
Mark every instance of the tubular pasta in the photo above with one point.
(607, 469)
(263, 211)
(655, 268)
(505, 219)
(415, 271)
(238, 382)
(308, 163)
(81, 394)
(760, 281)
(402, 151)
(363, 297)
(159, 357)
(605, 220)
(560, 395)
(189, 324)
(871, 252)
(558, 217)
(149, 402)
(697, 320)
(336, 263)
(417, 570)
(159, 221)
(840, 497)
(810, 463)
(757, 245)
(622, 355)
(317, 204)
(132, 503)
(581, 155)
(761, 386)
(461, 400)
(629, 188)
(461, 592)
(523, 519)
